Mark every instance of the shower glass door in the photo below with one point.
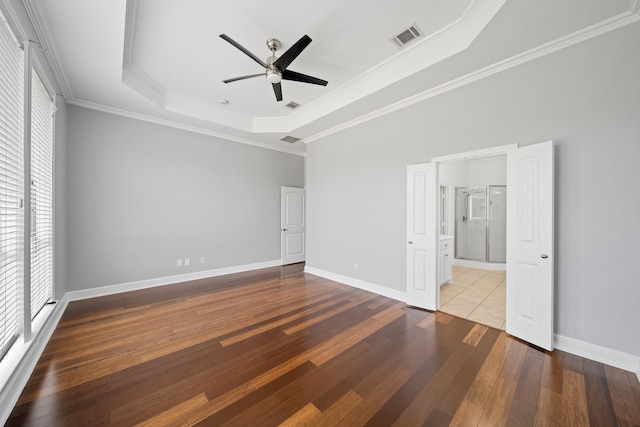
(471, 223)
(497, 224)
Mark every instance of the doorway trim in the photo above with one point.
(467, 155)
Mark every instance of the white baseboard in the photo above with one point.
(611, 357)
(168, 280)
(360, 284)
(22, 358)
(493, 266)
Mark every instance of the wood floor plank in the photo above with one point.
(624, 395)
(501, 397)
(279, 346)
(475, 335)
(574, 400)
(379, 395)
(303, 417)
(552, 371)
(601, 411)
(453, 394)
(525, 399)
(550, 409)
(486, 378)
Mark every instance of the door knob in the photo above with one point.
(544, 256)
(410, 242)
(284, 229)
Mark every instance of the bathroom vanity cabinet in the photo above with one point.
(445, 259)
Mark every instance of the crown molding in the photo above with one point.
(603, 27)
(438, 46)
(44, 37)
(444, 43)
(181, 126)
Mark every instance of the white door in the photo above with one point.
(422, 224)
(530, 244)
(292, 225)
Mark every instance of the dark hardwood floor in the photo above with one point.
(277, 346)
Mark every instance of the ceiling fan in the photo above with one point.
(275, 69)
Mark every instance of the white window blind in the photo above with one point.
(42, 109)
(11, 186)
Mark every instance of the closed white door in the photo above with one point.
(292, 225)
(530, 244)
(422, 225)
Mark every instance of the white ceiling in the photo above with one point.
(163, 60)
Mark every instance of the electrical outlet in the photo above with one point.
(355, 265)
(187, 261)
(179, 262)
(202, 260)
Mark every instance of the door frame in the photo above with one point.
(468, 155)
(430, 291)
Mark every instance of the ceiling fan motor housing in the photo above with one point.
(272, 72)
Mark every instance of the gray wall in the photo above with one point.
(140, 196)
(586, 98)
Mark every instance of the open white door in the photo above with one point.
(292, 225)
(530, 244)
(422, 224)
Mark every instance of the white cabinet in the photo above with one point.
(445, 259)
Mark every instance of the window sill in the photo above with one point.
(21, 359)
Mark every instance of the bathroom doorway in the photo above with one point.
(474, 190)
(530, 236)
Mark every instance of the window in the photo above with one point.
(26, 195)
(11, 184)
(41, 235)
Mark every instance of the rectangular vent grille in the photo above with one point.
(293, 105)
(407, 36)
(290, 139)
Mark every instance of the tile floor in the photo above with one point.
(478, 295)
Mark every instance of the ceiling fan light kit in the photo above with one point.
(275, 69)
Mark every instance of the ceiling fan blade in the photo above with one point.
(299, 77)
(243, 77)
(243, 49)
(292, 53)
(277, 89)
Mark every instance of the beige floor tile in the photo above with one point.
(497, 274)
(488, 281)
(489, 312)
(466, 299)
(476, 272)
(458, 308)
(451, 290)
(477, 295)
(463, 280)
(477, 292)
(485, 285)
(493, 304)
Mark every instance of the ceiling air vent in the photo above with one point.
(407, 36)
(290, 139)
(293, 105)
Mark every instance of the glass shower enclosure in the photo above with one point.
(481, 223)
